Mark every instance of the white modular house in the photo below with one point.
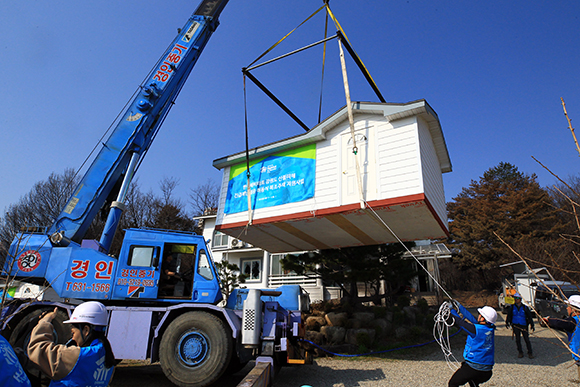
(334, 187)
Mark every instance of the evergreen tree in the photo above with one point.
(230, 276)
(505, 202)
(350, 266)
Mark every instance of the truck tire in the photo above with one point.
(20, 336)
(195, 349)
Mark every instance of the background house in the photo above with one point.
(265, 271)
(263, 268)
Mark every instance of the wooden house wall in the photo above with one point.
(406, 164)
(432, 177)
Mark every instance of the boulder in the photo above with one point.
(381, 326)
(364, 317)
(353, 335)
(316, 337)
(410, 314)
(333, 335)
(313, 323)
(336, 319)
(401, 332)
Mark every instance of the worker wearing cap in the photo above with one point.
(479, 347)
(570, 325)
(519, 316)
(87, 360)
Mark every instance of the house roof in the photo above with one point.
(391, 111)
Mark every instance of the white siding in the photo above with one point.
(406, 164)
(325, 190)
(398, 164)
(432, 177)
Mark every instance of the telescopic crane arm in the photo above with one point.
(111, 172)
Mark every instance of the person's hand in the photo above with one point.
(507, 325)
(533, 328)
(456, 305)
(48, 316)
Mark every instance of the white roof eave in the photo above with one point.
(391, 111)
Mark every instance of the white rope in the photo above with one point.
(406, 248)
(444, 320)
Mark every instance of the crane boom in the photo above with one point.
(112, 169)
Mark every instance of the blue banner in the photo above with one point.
(279, 179)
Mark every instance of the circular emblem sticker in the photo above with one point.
(29, 260)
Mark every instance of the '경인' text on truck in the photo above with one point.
(177, 322)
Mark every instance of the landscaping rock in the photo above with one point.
(336, 319)
(364, 317)
(411, 314)
(401, 332)
(316, 337)
(333, 335)
(352, 336)
(381, 326)
(314, 323)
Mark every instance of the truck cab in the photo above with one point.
(153, 265)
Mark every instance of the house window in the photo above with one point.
(252, 268)
(276, 266)
(220, 239)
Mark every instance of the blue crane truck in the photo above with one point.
(177, 320)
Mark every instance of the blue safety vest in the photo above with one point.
(519, 315)
(11, 372)
(479, 349)
(574, 338)
(89, 371)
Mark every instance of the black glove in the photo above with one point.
(507, 325)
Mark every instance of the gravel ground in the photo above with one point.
(425, 366)
(552, 366)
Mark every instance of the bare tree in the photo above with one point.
(167, 186)
(39, 207)
(204, 196)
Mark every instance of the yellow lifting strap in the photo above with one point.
(288, 34)
(338, 27)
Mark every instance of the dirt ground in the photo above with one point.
(476, 299)
(141, 374)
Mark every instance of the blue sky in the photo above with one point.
(493, 71)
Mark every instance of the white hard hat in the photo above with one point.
(574, 301)
(488, 313)
(91, 312)
(517, 295)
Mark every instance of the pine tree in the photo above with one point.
(504, 202)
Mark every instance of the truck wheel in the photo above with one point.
(20, 336)
(195, 349)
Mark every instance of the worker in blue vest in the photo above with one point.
(570, 325)
(11, 372)
(519, 316)
(479, 349)
(86, 361)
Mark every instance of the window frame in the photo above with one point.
(261, 270)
